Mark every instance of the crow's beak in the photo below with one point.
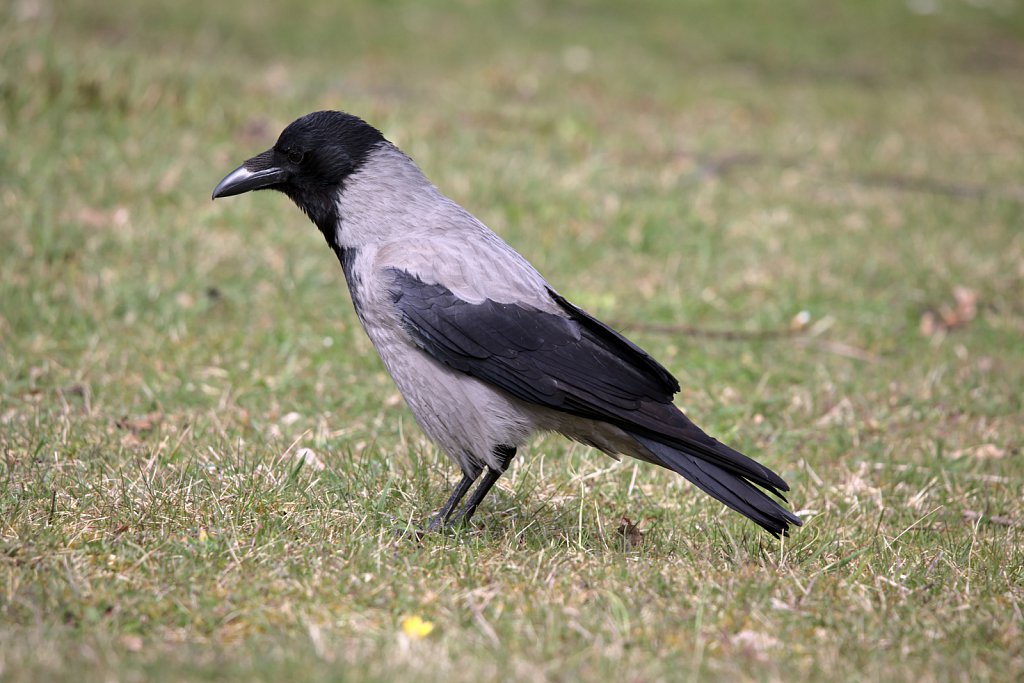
(259, 173)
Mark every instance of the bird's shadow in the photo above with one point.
(521, 520)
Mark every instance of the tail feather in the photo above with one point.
(666, 424)
(726, 485)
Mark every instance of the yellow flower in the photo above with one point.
(416, 627)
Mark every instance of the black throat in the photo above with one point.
(327, 218)
(322, 209)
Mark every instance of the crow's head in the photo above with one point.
(309, 163)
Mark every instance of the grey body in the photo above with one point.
(392, 217)
(484, 350)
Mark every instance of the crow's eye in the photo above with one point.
(296, 157)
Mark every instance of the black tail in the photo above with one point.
(698, 460)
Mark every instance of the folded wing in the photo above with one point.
(575, 364)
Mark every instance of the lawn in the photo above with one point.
(811, 212)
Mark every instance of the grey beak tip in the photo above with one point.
(218, 192)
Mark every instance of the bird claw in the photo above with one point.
(435, 525)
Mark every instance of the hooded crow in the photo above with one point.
(484, 350)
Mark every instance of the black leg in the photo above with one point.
(505, 455)
(439, 520)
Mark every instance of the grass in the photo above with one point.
(165, 360)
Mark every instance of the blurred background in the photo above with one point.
(782, 151)
(810, 211)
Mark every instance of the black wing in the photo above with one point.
(578, 365)
(584, 369)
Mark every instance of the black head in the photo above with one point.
(309, 163)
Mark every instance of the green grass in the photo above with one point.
(163, 358)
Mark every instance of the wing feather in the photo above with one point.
(575, 364)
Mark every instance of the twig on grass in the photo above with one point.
(721, 164)
(725, 335)
(799, 335)
(1001, 520)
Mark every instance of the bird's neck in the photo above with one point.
(387, 199)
